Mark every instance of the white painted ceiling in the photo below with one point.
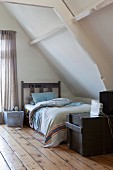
(84, 71)
(80, 5)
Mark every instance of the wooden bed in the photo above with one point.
(48, 117)
(42, 87)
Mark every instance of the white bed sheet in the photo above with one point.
(29, 106)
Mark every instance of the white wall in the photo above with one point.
(62, 50)
(73, 64)
(68, 53)
(31, 65)
(99, 27)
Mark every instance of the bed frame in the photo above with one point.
(41, 87)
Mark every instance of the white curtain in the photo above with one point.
(8, 70)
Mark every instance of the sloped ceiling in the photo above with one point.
(84, 72)
(81, 9)
(36, 21)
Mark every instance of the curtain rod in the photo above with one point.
(8, 30)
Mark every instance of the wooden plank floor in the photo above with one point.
(23, 150)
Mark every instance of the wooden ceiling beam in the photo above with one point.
(44, 36)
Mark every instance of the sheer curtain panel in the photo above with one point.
(8, 70)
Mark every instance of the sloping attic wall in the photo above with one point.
(61, 50)
(99, 27)
(31, 65)
(75, 67)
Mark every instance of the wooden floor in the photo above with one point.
(22, 150)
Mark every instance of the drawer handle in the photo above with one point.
(74, 127)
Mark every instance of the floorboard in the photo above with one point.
(24, 150)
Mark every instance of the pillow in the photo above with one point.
(40, 97)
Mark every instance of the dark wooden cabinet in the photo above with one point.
(89, 135)
(106, 98)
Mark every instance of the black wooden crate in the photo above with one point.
(85, 134)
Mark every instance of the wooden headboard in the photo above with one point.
(41, 87)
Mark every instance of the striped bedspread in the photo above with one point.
(49, 118)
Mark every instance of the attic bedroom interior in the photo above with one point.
(56, 85)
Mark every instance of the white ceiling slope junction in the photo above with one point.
(66, 53)
(81, 9)
(78, 8)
